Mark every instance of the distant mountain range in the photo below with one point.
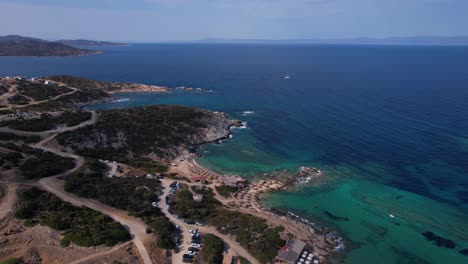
(418, 40)
(13, 45)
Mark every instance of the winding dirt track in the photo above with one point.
(8, 199)
(92, 120)
(135, 226)
(56, 186)
(100, 254)
(53, 185)
(233, 245)
(74, 90)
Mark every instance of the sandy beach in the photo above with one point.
(248, 200)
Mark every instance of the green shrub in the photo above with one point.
(83, 226)
(13, 157)
(64, 242)
(12, 261)
(226, 191)
(44, 165)
(213, 249)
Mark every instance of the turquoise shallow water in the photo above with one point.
(387, 125)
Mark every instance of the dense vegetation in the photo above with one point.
(3, 89)
(18, 100)
(213, 249)
(82, 226)
(148, 165)
(21, 148)
(82, 83)
(12, 261)
(12, 156)
(40, 91)
(250, 231)
(140, 131)
(45, 164)
(226, 191)
(14, 137)
(133, 194)
(48, 122)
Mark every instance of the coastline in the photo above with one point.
(324, 243)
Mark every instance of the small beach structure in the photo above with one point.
(291, 252)
(232, 180)
(198, 179)
(197, 198)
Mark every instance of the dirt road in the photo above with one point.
(8, 199)
(135, 226)
(55, 186)
(91, 121)
(232, 244)
(74, 90)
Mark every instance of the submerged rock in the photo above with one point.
(438, 240)
(335, 217)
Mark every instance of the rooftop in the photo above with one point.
(232, 180)
(291, 252)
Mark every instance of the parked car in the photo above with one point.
(199, 223)
(195, 245)
(190, 222)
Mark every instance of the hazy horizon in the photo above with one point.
(190, 20)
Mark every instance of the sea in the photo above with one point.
(387, 125)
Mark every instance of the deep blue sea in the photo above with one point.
(387, 125)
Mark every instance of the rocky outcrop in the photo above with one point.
(160, 132)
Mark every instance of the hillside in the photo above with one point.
(28, 47)
(18, 38)
(159, 132)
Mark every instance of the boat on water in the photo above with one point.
(287, 76)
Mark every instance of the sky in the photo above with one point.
(181, 20)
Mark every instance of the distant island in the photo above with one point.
(14, 45)
(85, 43)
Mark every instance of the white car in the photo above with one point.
(195, 245)
(193, 232)
(192, 253)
